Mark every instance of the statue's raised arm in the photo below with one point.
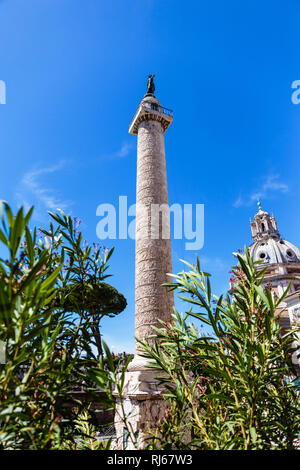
(150, 84)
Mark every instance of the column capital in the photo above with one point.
(150, 109)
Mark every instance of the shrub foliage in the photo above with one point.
(52, 298)
(231, 385)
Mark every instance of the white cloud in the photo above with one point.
(212, 263)
(271, 185)
(122, 152)
(33, 189)
(207, 263)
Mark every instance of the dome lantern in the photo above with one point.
(263, 225)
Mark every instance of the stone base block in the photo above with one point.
(140, 410)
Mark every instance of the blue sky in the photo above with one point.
(75, 71)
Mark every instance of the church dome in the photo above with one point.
(268, 245)
(274, 250)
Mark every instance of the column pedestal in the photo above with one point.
(143, 406)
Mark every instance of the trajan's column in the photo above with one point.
(142, 398)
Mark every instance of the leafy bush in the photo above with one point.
(81, 289)
(232, 388)
(47, 323)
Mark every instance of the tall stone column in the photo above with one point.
(142, 398)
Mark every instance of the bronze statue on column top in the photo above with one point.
(150, 84)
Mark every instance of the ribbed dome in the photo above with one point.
(274, 250)
(268, 245)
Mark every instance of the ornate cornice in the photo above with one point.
(150, 117)
(150, 111)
